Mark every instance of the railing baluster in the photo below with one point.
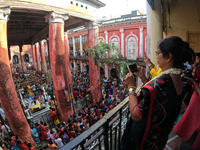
(111, 137)
(106, 135)
(115, 138)
(99, 143)
(120, 121)
(82, 146)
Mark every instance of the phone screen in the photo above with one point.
(133, 68)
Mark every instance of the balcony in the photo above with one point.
(77, 55)
(106, 133)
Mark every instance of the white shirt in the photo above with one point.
(2, 114)
(59, 142)
(49, 98)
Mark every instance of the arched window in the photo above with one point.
(26, 58)
(15, 59)
(114, 40)
(131, 46)
(101, 38)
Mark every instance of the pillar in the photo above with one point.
(141, 42)
(69, 76)
(106, 33)
(81, 46)
(9, 99)
(81, 66)
(34, 58)
(48, 54)
(122, 41)
(106, 71)
(37, 56)
(154, 29)
(58, 63)
(22, 57)
(44, 64)
(94, 69)
(75, 65)
(74, 47)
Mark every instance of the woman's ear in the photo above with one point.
(169, 58)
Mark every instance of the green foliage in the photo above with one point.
(99, 54)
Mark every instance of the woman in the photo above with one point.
(188, 127)
(154, 109)
(35, 136)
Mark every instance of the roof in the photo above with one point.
(98, 3)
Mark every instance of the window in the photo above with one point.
(131, 48)
(114, 41)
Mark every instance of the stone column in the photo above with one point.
(106, 71)
(48, 54)
(106, 33)
(94, 69)
(75, 65)
(81, 66)
(9, 99)
(141, 42)
(22, 57)
(81, 46)
(58, 63)
(69, 77)
(44, 64)
(122, 41)
(37, 57)
(74, 47)
(34, 58)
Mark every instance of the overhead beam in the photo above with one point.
(74, 25)
(41, 35)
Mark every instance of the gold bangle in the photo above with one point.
(132, 87)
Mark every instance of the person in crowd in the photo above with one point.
(52, 146)
(58, 141)
(188, 127)
(75, 94)
(35, 135)
(154, 110)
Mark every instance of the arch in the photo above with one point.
(100, 39)
(86, 68)
(132, 46)
(26, 58)
(15, 59)
(78, 68)
(17, 54)
(114, 39)
(102, 72)
(114, 73)
(71, 66)
(27, 55)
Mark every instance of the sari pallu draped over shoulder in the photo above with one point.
(159, 105)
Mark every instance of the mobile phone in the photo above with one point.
(133, 68)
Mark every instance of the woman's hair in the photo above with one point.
(198, 55)
(180, 50)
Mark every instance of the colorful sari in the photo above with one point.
(159, 106)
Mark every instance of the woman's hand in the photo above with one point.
(190, 80)
(140, 73)
(130, 79)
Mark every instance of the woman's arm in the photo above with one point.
(196, 87)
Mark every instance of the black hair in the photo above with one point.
(180, 50)
(50, 142)
(198, 55)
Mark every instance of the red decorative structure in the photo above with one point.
(9, 99)
(37, 57)
(94, 69)
(58, 64)
(44, 64)
(34, 58)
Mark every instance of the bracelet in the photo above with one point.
(132, 87)
(132, 92)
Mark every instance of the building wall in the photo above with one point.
(184, 18)
(114, 31)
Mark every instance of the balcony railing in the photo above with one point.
(106, 133)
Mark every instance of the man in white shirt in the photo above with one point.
(59, 142)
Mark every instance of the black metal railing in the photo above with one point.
(106, 133)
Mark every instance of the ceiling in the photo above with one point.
(29, 27)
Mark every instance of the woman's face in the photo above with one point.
(160, 59)
(197, 60)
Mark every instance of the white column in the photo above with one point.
(141, 42)
(74, 65)
(122, 41)
(74, 48)
(106, 33)
(106, 71)
(81, 46)
(81, 66)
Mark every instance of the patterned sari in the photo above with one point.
(159, 105)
